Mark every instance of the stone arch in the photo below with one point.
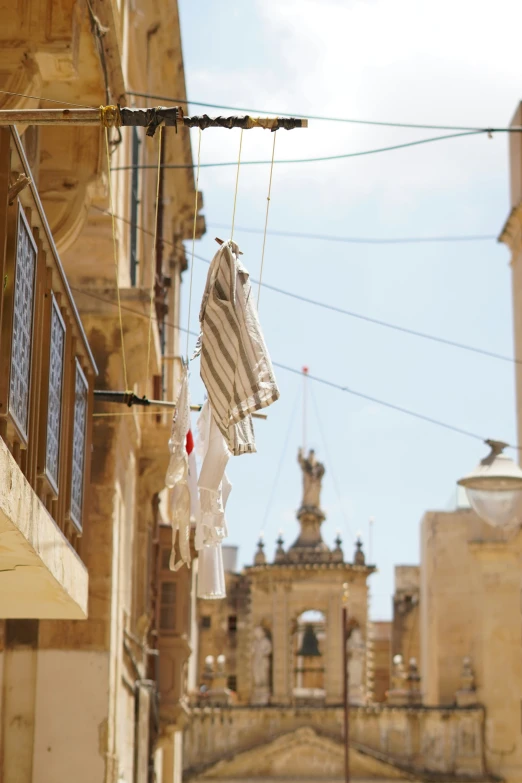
(307, 673)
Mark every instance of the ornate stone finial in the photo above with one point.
(359, 558)
(413, 682)
(466, 696)
(467, 675)
(260, 557)
(338, 552)
(217, 692)
(398, 675)
(280, 552)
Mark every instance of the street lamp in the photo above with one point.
(494, 488)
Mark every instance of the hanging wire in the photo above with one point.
(196, 199)
(385, 404)
(154, 412)
(281, 463)
(154, 248)
(331, 465)
(323, 381)
(332, 237)
(266, 220)
(115, 252)
(353, 314)
(325, 158)
(321, 118)
(47, 100)
(363, 240)
(237, 185)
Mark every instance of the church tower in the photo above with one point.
(289, 651)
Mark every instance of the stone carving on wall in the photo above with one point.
(313, 472)
(356, 660)
(261, 651)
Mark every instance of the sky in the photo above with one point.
(444, 63)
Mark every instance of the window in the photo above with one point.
(232, 623)
(135, 201)
(232, 683)
(168, 606)
(206, 621)
(165, 559)
(78, 449)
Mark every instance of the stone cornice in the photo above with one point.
(511, 234)
(279, 568)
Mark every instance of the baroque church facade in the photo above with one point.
(278, 635)
(270, 670)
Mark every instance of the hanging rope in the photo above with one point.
(115, 252)
(237, 185)
(154, 247)
(266, 221)
(156, 412)
(196, 199)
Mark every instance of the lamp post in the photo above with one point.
(346, 682)
(494, 488)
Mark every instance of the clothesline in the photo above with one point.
(130, 399)
(153, 118)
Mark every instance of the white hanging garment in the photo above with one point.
(214, 490)
(211, 572)
(235, 364)
(192, 479)
(177, 477)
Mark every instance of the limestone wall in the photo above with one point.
(470, 606)
(417, 740)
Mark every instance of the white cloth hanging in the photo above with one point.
(214, 491)
(235, 365)
(177, 478)
(192, 479)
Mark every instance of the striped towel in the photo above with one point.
(235, 365)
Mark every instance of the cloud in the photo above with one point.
(442, 63)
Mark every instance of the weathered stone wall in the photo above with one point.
(416, 740)
(470, 606)
(406, 613)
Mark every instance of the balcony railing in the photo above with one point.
(46, 367)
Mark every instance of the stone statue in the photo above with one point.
(313, 472)
(261, 649)
(356, 657)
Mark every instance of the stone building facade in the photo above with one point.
(278, 639)
(272, 607)
(382, 634)
(79, 699)
(470, 630)
(405, 636)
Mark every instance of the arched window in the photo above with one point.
(309, 645)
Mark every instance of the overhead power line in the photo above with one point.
(378, 322)
(361, 240)
(351, 313)
(322, 118)
(46, 100)
(315, 378)
(378, 401)
(321, 159)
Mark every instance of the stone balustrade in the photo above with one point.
(443, 743)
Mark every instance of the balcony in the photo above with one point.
(46, 388)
